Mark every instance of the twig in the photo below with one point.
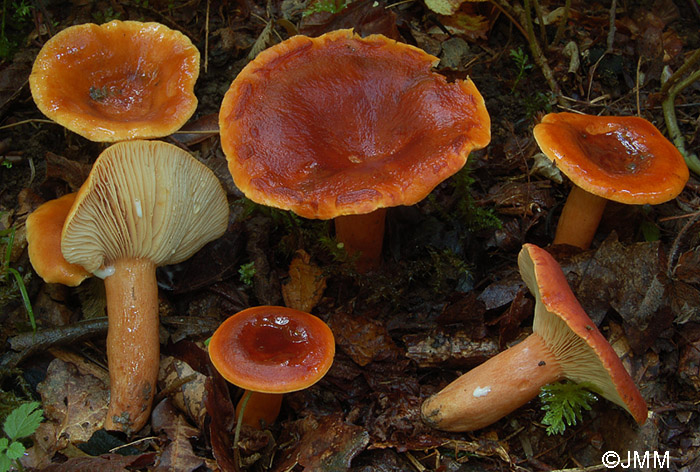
(672, 87)
(206, 40)
(32, 343)
(562, 24)
(540, 20)
(507, 9)
(537, 52)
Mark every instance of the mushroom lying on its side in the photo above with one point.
(144, 204)
(565, 343)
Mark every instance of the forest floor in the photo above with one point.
(448, 294)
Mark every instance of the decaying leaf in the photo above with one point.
(327, 445)
(306, 283)
(363, 339)
(77, 402)
(186, 387)
(178, 453)
(446, 7)
(103, 463)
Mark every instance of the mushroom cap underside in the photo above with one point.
(272, 349)
(339, 124)
(625, 159)
(117, 81)
(584, 354)
(144, 199)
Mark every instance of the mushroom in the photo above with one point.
(565, 343)
(44, 226)
(117, 81)
(340, 126)
(624, 159)
(144, 204)
(270, 351)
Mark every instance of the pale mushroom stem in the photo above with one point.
(133, 346)
(260, 408)
(579, 218)
(493, 389)
(362, 235)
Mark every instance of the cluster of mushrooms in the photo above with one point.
(330, 141)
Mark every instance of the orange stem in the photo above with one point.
(260, 409)
(362, 235)
(579, 219)
(133, 347)
(494, 389)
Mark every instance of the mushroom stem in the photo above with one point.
(362, 235)
(133, 345)
(493, 389)
(261, 408)
(580, 218)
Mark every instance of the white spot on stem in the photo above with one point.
(104, 272)
(481, 391)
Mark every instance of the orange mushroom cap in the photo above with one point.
(117, 81)
(272, 349)
(340, 125)
(44, 226)
(584, 354)
(625, 159)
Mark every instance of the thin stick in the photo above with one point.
(206, 40)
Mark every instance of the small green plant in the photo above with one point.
(522, 63)
(328, 6)
(563, 403)
(7, 237)
(246, 272)
(475, 217)
(106, 15)
(16, 22)
(21, 423)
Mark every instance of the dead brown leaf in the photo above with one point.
(74, 401)
(363, 339)
(185, 387)
(178, 454)
(306, 283)
(327, 445)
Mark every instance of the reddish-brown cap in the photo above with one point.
(339, 124)
(620, 158)
(583, 353)
(44, 226)
(272, 349)
(117, 81)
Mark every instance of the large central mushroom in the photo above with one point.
(344, 126)
(144, 204)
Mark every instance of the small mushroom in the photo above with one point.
(624, 159)
(144, 204)
(340, 126)
(117, 81)
(44, 226)
(564, 344)
(270, 351)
